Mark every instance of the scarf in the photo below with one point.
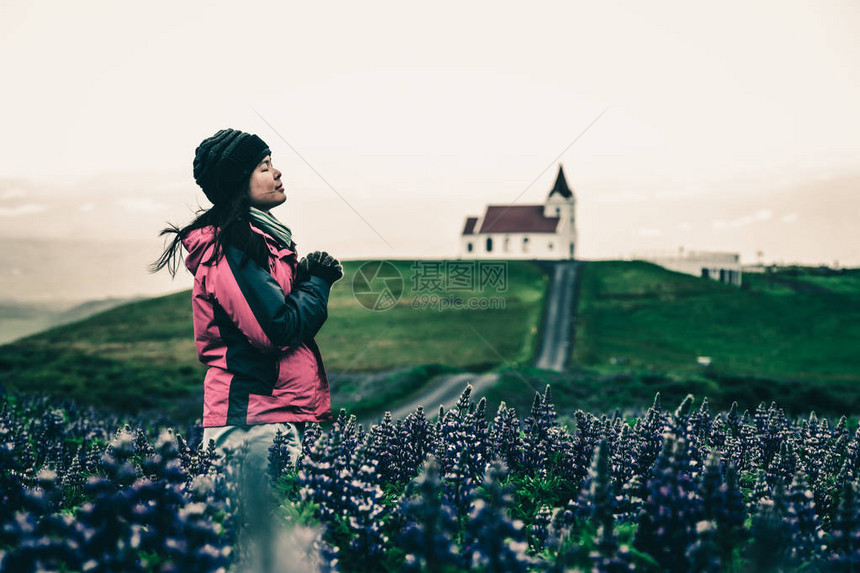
(278, 230)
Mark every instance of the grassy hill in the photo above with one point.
(142, 355)
(647, 318)
(790, 336)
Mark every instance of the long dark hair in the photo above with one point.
(231, 220)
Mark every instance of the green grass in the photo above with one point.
(841, 281)
(142, 355)
(639, 331)
(653, 320)
(358, 339)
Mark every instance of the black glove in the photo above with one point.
(323, 265)
(302, 273)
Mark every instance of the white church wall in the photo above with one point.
(514, 246)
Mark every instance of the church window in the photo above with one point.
(525, 244)
(558, 211)
(489, 244)
(550, 245)
(469, 246)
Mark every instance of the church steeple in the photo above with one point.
(561, 185)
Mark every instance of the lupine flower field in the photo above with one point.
(674, 489)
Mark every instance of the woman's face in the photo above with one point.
(266, 190)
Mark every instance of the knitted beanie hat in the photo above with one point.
(224, 162)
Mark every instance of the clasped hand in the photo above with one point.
(320, 264)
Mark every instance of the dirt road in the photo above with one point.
(442, 391)
(559, 316)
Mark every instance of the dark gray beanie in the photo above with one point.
(224, 162)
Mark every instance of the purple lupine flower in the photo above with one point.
(493, 541)
(719, 432)
(681, 417)
(456, 429)
(537, 444)
(844, 546)
(761, 490)
(597, 503)
(280, 456)
(802, 519)
(383, 445)
(142, 447)
(364, 511)
(324, 472)
(671, 511)
(771, 536)
(429, 532)
(701, 423)
(723, 507)
(458, 485)
(622, 461)
(649, 440)
(577, 457)
(783, 465)
(416, 442)
(505, 435)
(137, 495)
(312, 433)
(851, 460)
(538, 531)
(703, 555)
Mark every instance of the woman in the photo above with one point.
(256, 309)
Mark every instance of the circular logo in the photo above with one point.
(377, 285)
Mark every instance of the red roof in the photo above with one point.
(470, 225)
(517, 219)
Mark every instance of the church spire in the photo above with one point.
(561, 185)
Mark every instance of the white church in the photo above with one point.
(548, 232)
(545, 231)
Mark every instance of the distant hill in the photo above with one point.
(89, 308)
(19, 319)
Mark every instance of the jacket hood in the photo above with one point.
(197, 243)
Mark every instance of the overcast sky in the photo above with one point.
(731, 126)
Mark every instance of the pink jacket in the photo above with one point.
(254, 328)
